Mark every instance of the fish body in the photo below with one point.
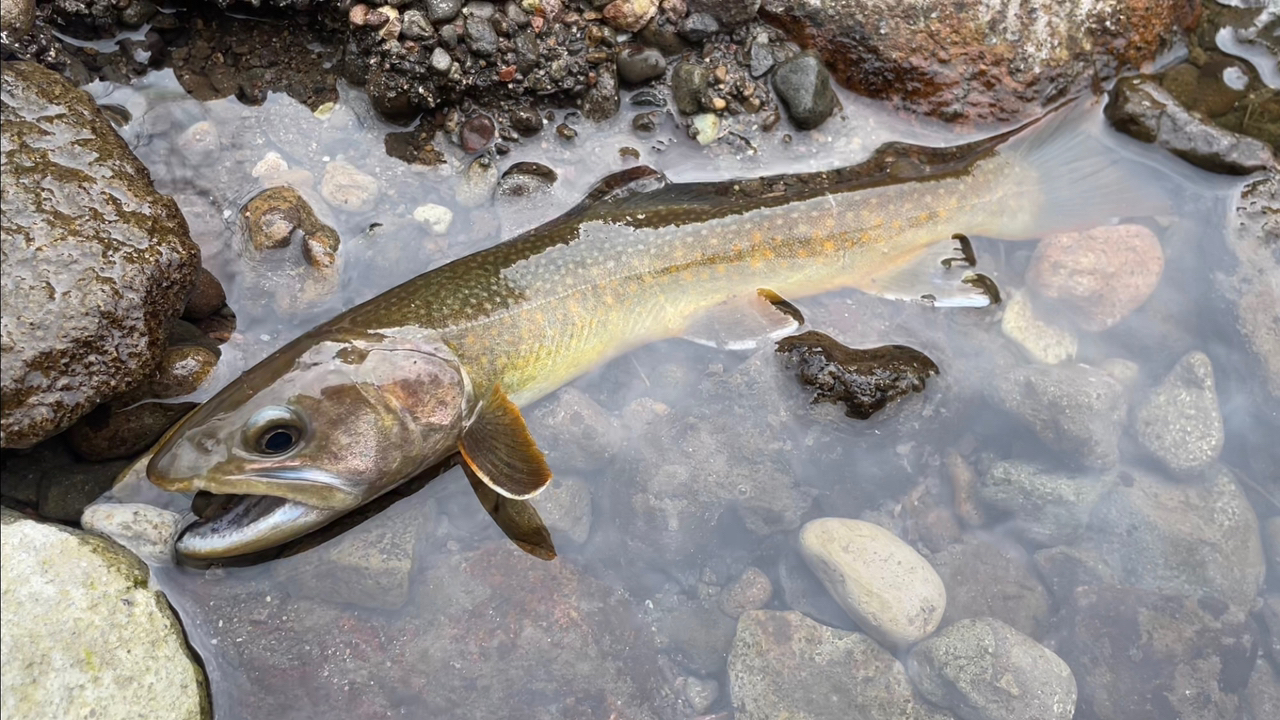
(442, 362)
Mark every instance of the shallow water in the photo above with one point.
(427, 611)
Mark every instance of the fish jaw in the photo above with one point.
(251, 523)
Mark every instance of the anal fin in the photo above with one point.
(745, 323)
(498, 448)
(941, 276)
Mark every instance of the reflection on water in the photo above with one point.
(683, 473)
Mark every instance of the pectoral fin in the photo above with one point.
(745, 323)
(518, 519)
(941, 276)
(497, 447)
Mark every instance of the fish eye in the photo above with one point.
(273, 431)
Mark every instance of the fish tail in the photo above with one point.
(1081, 181)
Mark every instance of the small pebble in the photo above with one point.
(147, 531)
(437, 218)
(441, 62)
(345, 187)
(630, 15)
(476, 133)
(804, 86)
(270, 164)
(1180, 422)
(751, 591)
(207, 296)
(1042, 341)
(182, 371)
(526, 121)
(199, 143)
(478, 182)
(566, 132)
(439, 11)
(416, 26)
(705, 128)
(638, 64)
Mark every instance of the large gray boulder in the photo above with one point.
(84, 635)
(95, 260)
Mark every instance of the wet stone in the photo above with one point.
(526, 121)
(346, 187)
(803, 592)
(882, 582)
(525, 179)
(804, 85)
(416, 26)
(985, 581)
(729, 13)
(476, 133)
(369, 566)
(439, 11)
(200, 143)
(274, 215)
(601, 101)
(762, 59)
(698, 27)
(1045, 507)
(1042, 341)
(700, 693)
(565, 508)
(1141, 655)
(647, 122)
(688, 81)
(1179, 422)
(630, 15)
(206, 298)
(865, 380)
(481, 37)
(705, 128)
(85, 633)
(16, 19)
(1141, 108)
(1182, 538)
(477, 184)
(437, 218)
(1262, 698)
(145, 530)
(566, 131)
(1075, 409)
(440, 61)
(982, 669)
(699, 633)
(751, 591)
(1101, 275)
(638, 64)
(108, 434)
(182, 371)
(1065, 568)
(785, 665)
(86, 303)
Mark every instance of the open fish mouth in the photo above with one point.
(230, 526)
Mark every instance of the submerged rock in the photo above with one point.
(84, 634)
(1101, 275)
(785, 665)
(984, 581)
(1180, 538)
(1046, 508)
(1042, 341)
(882, 582)
(1179, 422)
(1253, 241)
(96, 262)
(346, 187)
(1075, 409)
(983, 669)
(1141, 655)
(369, 566)
(1141, 108)
(16, 19)
(276, 215)
(751, 591)
(982, 62)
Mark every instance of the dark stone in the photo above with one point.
(439, 11)
(804, 86)
(730, 13)
(697, 27)
(107, 434)
(1138, 106)
(1141, 655)
(482, 39)
(206, 297)
(688, 81)
(762, 59)
(601, 100)
(638, 64)
(526, 121)
(645, 123)
(864, 380)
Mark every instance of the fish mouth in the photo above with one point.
(234, 526)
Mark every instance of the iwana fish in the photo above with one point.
(442, 363)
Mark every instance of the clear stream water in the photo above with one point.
(427, 611)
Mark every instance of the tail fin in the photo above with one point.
(1082, 181)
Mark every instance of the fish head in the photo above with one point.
(309, 434)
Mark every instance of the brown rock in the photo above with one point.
(981, 62)
(96, 262)
(751, 591)
(107, 434)
(206, 297)
(1102, 274)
